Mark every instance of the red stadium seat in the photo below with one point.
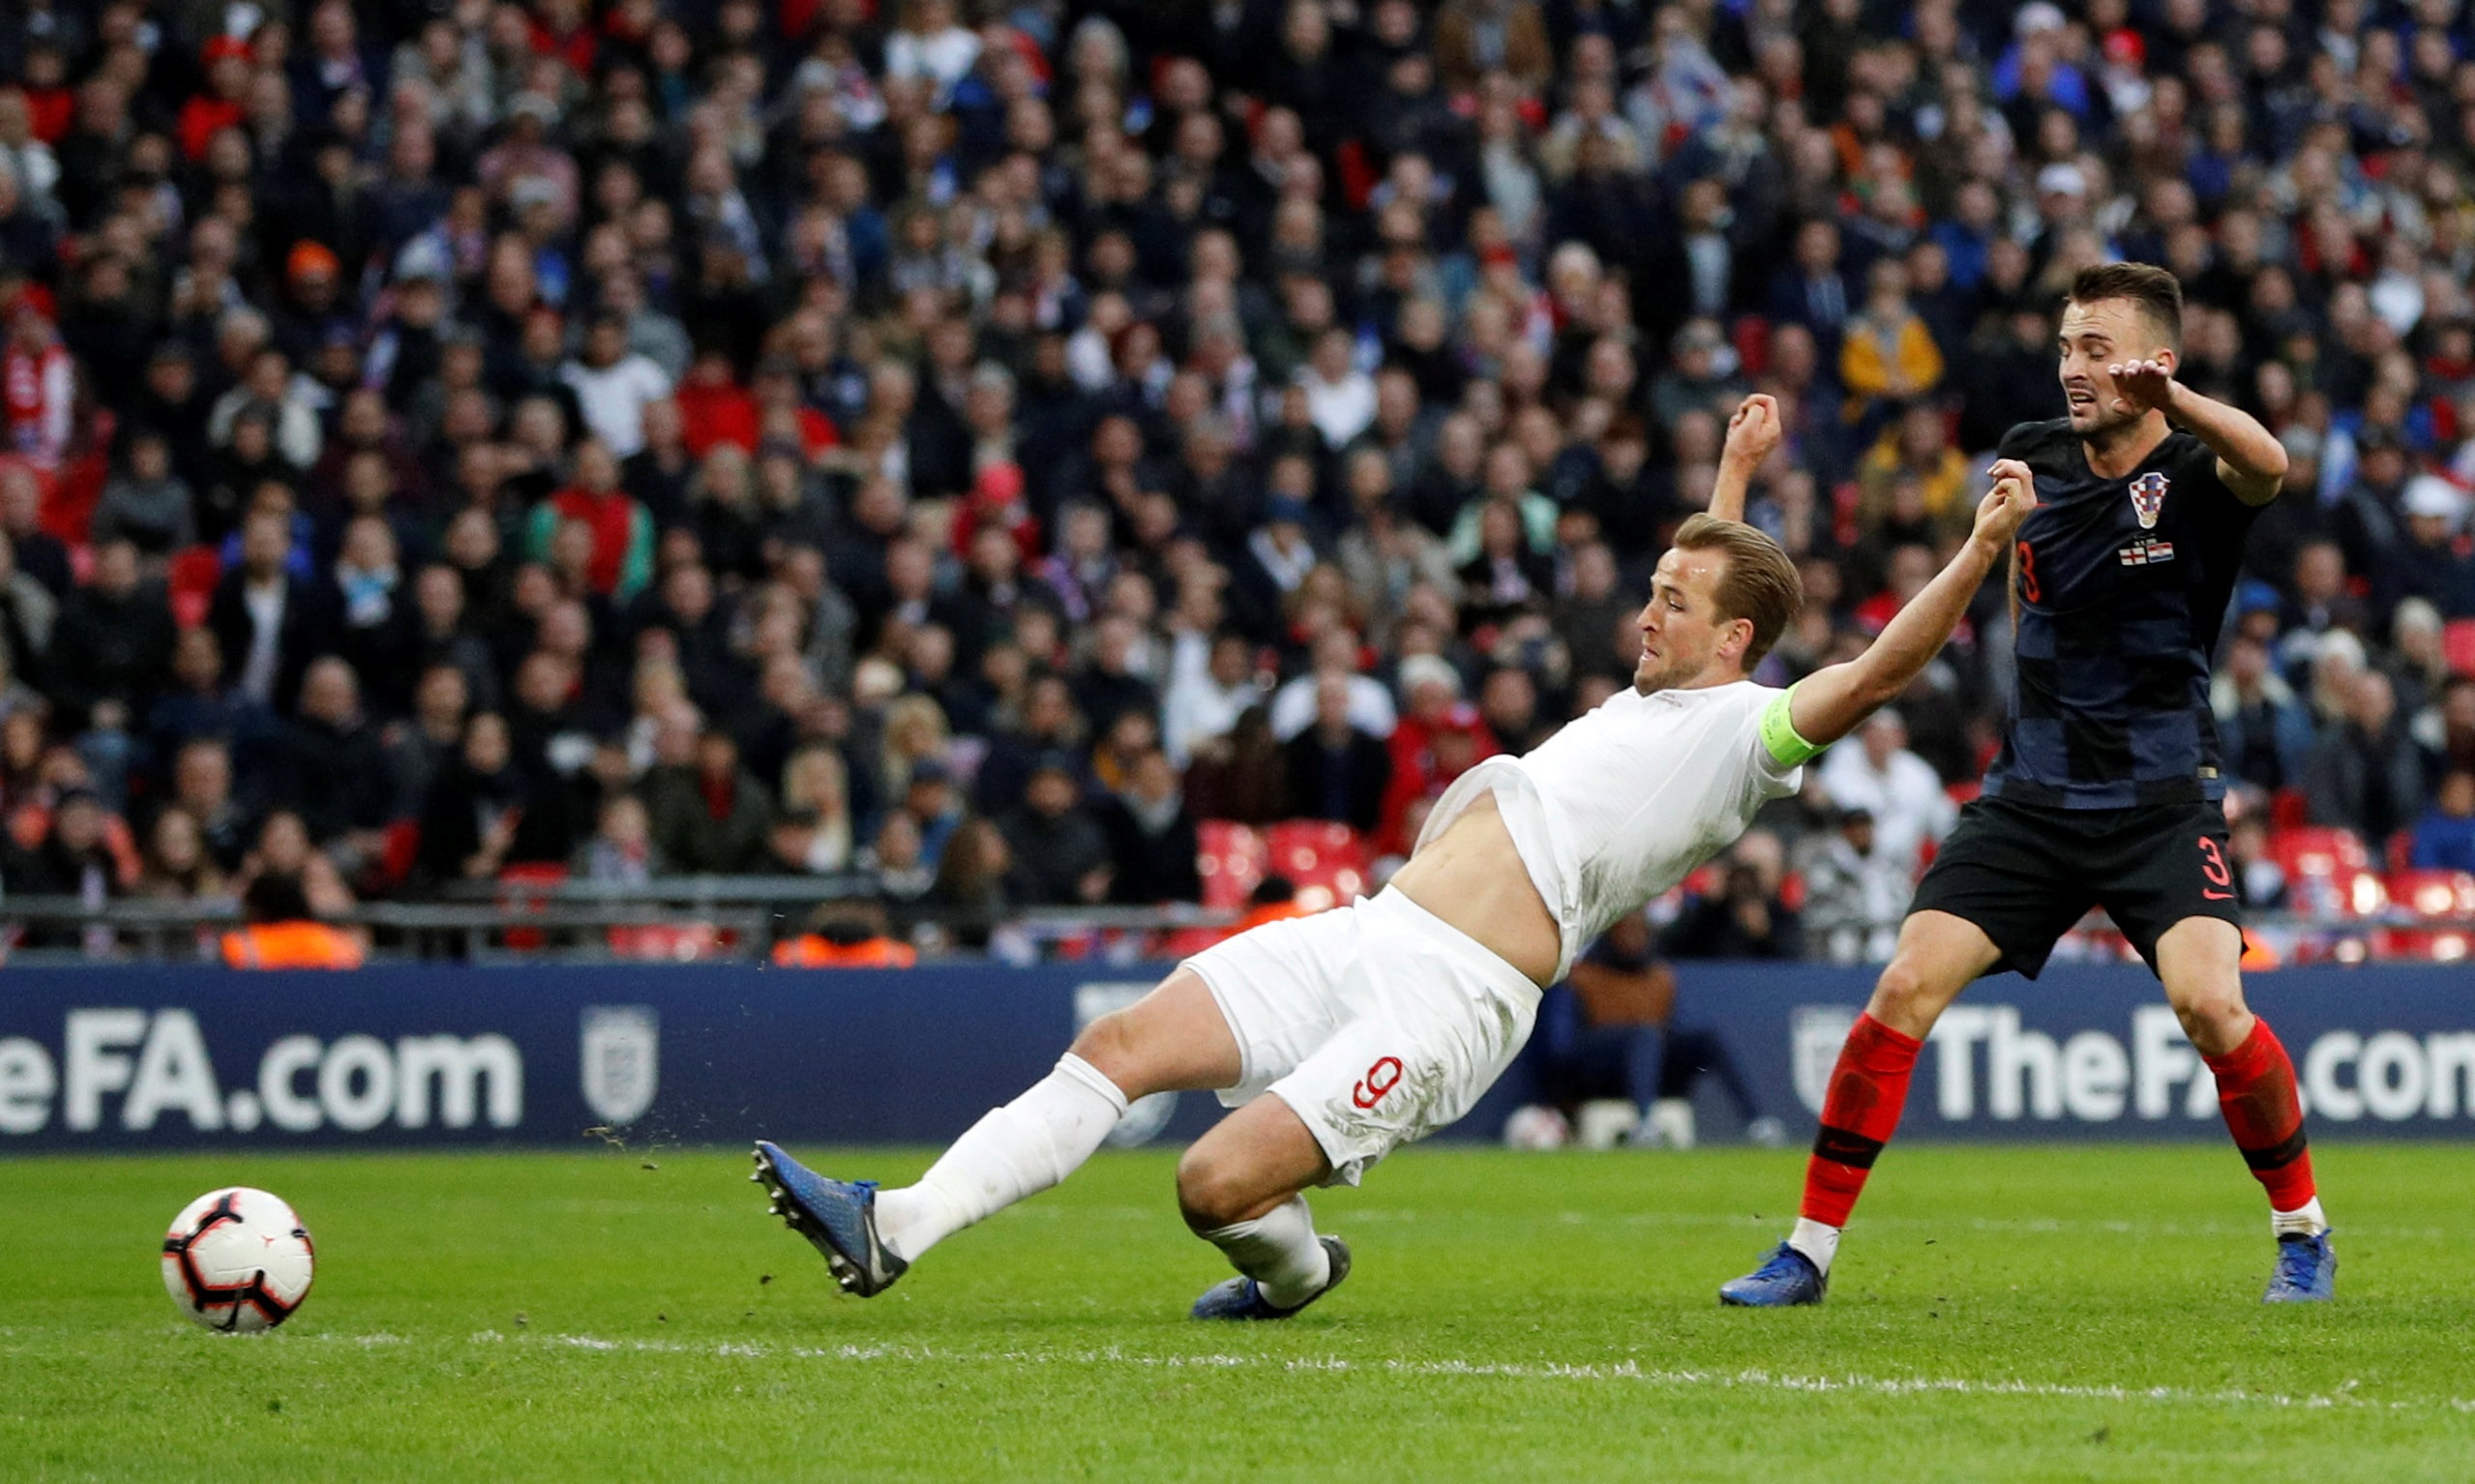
(1233, 860)
(2434, 895)
(2329, 873)
(2422, 945)
(2317, 849)
(665, 942)
(1326, 860)
(514, 901)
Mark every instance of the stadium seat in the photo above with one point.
(2328, 872)
(1328, 861)
(2434, 895)
(515, 901)
(664, 942)
(1233, 860)
(2317, 849)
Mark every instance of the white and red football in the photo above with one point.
(238, 1259)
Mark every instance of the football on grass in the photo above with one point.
(238, 1259)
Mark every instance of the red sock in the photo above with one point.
(2255, 1090)
(1869, 1087)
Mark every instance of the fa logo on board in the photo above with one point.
(2148, 498)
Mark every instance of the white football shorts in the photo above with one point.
(1376, 1023)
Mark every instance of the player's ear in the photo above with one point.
(1736, 639)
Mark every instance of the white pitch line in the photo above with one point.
(1554, 1370)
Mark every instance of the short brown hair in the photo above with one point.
(2152, 291)
(1760, 583)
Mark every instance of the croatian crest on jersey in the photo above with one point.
(2148, 497)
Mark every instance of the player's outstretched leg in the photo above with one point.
(1174, 1038)
(1238, 1189)
(1938, 956)
(2199, 959)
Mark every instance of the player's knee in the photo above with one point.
(2213, 1016)
(1904, 997)
(1213, 1192)
(1108, 1044)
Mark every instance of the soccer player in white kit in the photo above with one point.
(1375, 1024)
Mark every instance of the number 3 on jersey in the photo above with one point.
(2027, 556)
(2213, 869)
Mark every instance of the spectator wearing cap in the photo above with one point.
(1060, 856)
(2365, 518)
(221, 106)
(308, 312)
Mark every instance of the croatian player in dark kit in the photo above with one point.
(2107, 791)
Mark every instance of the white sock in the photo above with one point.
(1018, 1150)
(2306, 1222)
(1279, 1251)
(1815, 1240)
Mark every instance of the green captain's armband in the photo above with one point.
(1778, 733)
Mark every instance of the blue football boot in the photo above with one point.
(2307, 1271)
(1241, 1299)
(837, 1217)
(1786, 1278)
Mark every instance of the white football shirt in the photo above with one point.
(1625, 802)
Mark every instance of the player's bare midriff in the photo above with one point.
(1472, 878)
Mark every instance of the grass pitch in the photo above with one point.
(2064, 1314)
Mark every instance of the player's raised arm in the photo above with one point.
(1751, 433)
(1831, 703)
(2250, 460)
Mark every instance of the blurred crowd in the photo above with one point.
(959, 445)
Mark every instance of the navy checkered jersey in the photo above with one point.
(2121, 586)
